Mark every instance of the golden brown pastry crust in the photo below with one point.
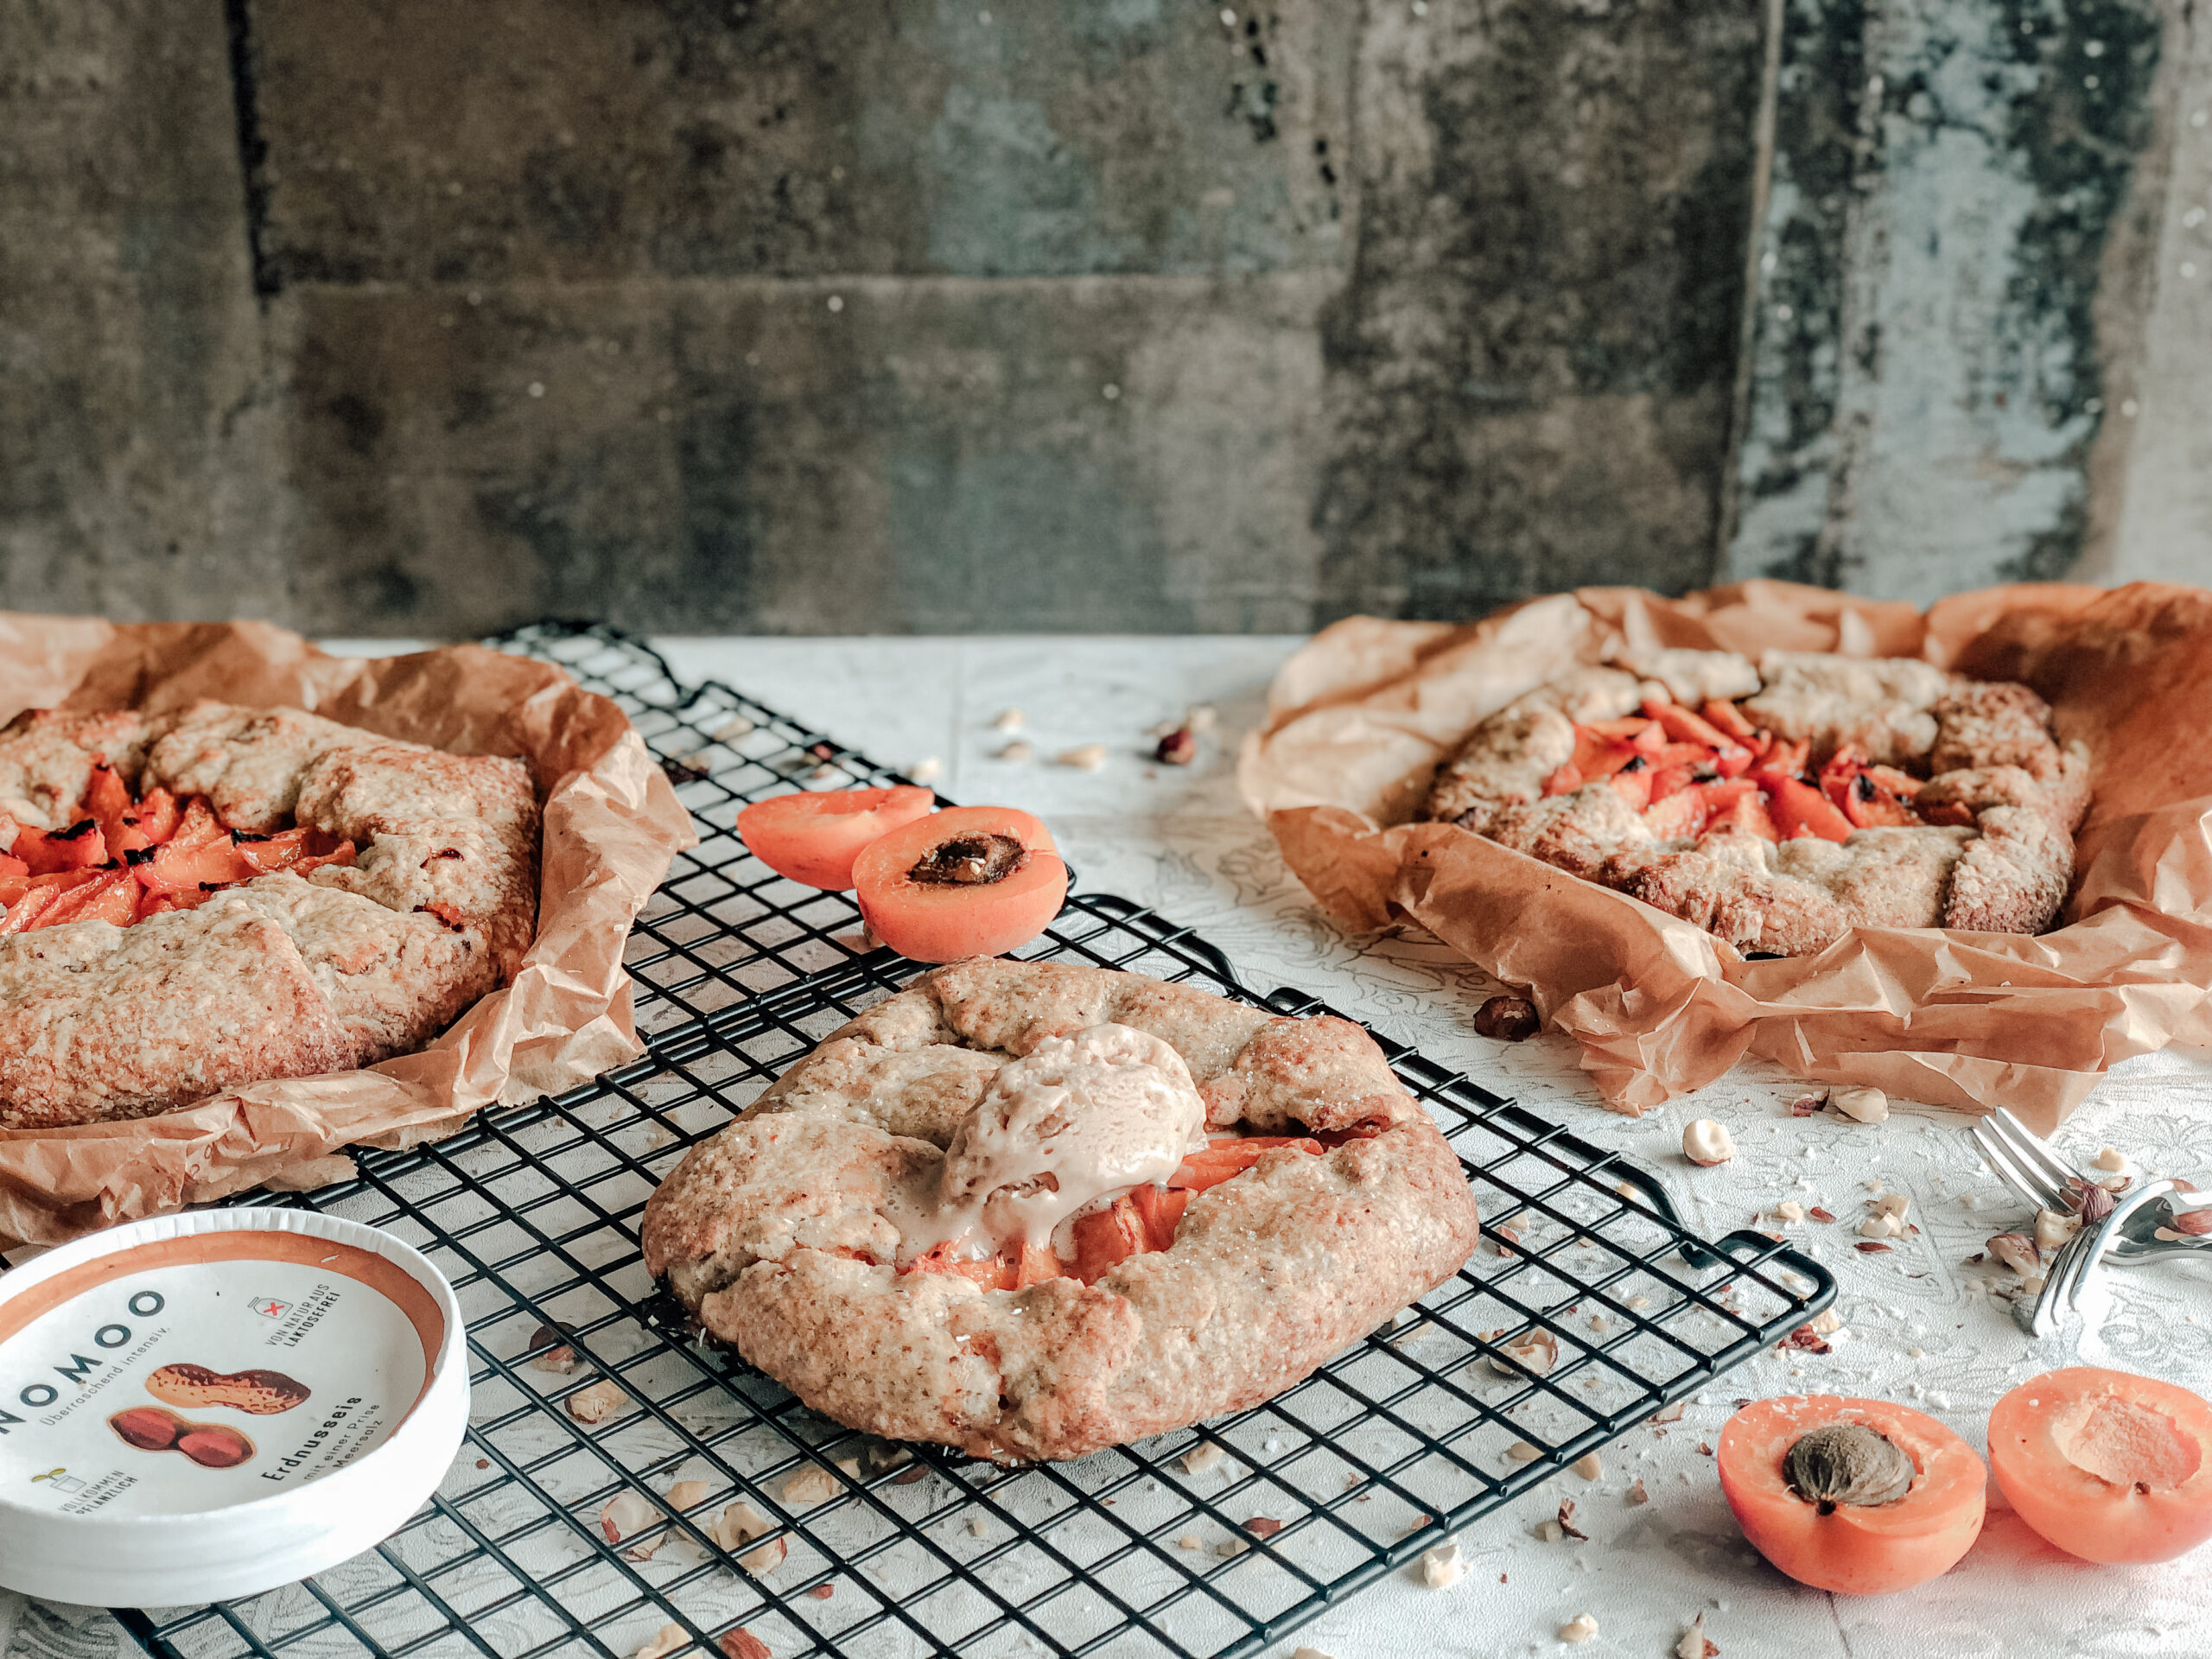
(774, 1232)
(1989, 746)
(280, 976)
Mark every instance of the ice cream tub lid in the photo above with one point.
(240, 1368)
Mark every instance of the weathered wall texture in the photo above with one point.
(405, 317)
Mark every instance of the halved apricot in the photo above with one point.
(971, 882)
(2107, 1466)
(1877, 1498)
(813, 837)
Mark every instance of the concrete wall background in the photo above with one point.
(1133, 314)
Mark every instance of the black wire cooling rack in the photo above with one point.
(1216, 1541)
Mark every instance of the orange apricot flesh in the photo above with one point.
(2106, 1465)
(970, 882)
(1855, 1549)
(813, 837)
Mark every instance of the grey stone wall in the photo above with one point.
(413, 317)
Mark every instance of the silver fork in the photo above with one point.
(2023, 1159)
(2081, 1255)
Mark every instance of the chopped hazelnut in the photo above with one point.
(1017, 752)
(1880, 1226)
(1892, 1204)
(1203, 1458)
(1826, 1323)
(689, 1494)
(626, 1514)
(1695, 1643)
(1090, 757)
(669, 1639)
(925, 770)
(1508, 1019)
(1177, 748)
(1522, 1452)
(1201, 718)
(2111, 1157)
(1442, 1566)
(1550, 1532)
(1010, 720)
(1588, 1465)
(595, 1404)
(2053, 1230)
(1636, 1493)
(1789, 1209)
(1861, 1105)
(810, 1486)
(1190, 1540)
(1705, 1142)
(1581, 1627)
(1534, 1352)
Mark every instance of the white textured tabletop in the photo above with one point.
(1920, 1324)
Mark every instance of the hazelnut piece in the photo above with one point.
(1861, 1105)
(1846, 1463)
(1707, 1142)
(1510, 1018)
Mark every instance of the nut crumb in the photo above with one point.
(1203, 1458)
(1440, 1567)
(1010, 720)
(1262, 1526)
(925, 770)
(559, 1358)
(1089, 757)
(1588, 1465)
(2111, 1157)
(1230, 1548)
(1821, 1214)
(1806, 1105)
(1534, 1352)
(1789, 1211)
(1578, 1628)
(1669, 1413)
(1550, 1531)
(689, 1494)
(1636, 1494)
(1190, 1540)
(978, 1527)
(1017, 752)
(1522, 1452)
(668, 1640)
(1826, 1322)
(1201, 718)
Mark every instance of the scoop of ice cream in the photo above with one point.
(1073, 1121)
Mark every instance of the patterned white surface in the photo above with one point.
(1922, 1326)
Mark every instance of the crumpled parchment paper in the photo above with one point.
(612, 825)
(1359, 720)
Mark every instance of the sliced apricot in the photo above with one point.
(1160, 1210)
(1798, 808)
(1232, 1155)
(814, 837)
(1726, 717)
(2106, 1465)
(970, 881)
(109, 896)
(1106, 1237)
(1859, 1497)
(80, 847)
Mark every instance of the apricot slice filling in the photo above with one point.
(2106, 1465)
(812, 838)
(1860, 1497)
(970, 882)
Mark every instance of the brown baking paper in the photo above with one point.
(1359, 720)
(612, 825)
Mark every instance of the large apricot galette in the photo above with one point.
(1032, 1209)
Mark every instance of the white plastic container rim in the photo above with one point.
(243, 1549)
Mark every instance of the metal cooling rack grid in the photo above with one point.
(724, 927)
(533, 1215)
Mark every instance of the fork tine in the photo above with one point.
(2054, 1296)
(2013, 1167)
(2034, 1148)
